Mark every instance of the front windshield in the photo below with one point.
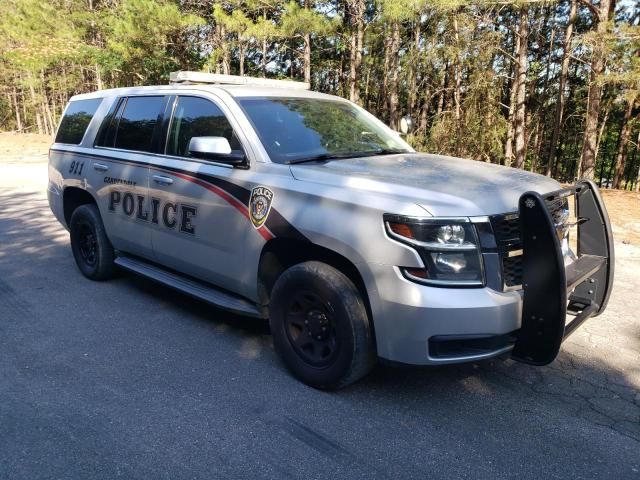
(294, 129)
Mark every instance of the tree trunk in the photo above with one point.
(589, 144)
(508, 146)
(560, 102)
(385, 74)
(521, 113)
(366, 89)
(600, 135)
(635, 153)
(356, 15)
(393, 87)
(413, 68)
(241, 53)
(621, 157)
(34, 104)
(307, 58)
(443, 90)
(99, 84)
(263, 60)
(264, 57)
(458, 85)
(46, 110)
(424, 112)
(17, 109)
(221, 40)
(536, 140)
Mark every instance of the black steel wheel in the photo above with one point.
(87, 243)
(310, 327)
(91, 248)
(320, 326)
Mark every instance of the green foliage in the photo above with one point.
(36, 34)
(142, 36)
(452, 67)
(297, 20)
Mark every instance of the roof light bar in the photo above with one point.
(189, 78)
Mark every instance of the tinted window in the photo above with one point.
(137, 124)
(107, 132)
(76, 120)
(197, 117)
(297, 128)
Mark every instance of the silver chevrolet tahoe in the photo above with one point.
(269, 200)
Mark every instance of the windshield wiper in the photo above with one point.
(389, 151)
(314, 158)
(340, 156)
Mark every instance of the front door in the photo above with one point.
(202, 212)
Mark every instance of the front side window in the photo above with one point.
(138, 122)
(197, 117)
(293, 130)
(76, 119)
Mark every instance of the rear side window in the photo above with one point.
(138, 122)
(107, 133)
(76, 120)
(197, 117)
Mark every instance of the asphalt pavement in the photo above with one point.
(129, 379)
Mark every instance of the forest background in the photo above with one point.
(548, 86)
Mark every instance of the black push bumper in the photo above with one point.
(551, 291)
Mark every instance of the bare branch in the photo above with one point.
(590, 6)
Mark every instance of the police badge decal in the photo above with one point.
(260, 205)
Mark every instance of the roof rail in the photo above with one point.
(190, 78)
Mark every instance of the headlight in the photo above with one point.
(448, 247)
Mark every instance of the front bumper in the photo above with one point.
(422, 325)
(410, 319)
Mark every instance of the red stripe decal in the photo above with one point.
(241, 207)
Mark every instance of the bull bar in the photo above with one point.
(553, 291)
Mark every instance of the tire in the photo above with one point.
(320, 326)
(91, 248)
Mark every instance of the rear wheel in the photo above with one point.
(91, 248)
(320, 326)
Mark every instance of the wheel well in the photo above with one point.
(280, 254)
(72, 198)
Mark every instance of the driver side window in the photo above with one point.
(197, 117)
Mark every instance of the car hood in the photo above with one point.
(444, 186)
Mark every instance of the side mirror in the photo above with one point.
(406, 124)
(216, 149)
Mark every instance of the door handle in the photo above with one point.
(159, 179)
(100, 167)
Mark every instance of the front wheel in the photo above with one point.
(91, 248)
(320, 326)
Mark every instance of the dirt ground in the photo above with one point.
(624, 211)
(23, 148)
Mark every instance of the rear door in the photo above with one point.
(128, 136)
(202, 206)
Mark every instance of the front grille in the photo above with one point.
(512, 271)
(506, 229)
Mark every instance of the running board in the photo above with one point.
(190, 287)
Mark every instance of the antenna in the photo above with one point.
(191, 78)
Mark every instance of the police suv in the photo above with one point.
(269, 200)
